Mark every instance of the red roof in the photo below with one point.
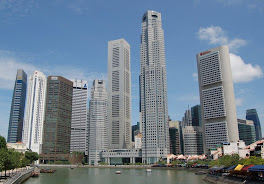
(245, 168)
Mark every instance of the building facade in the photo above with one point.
(196, 115)
(253, 115)
(246, 131)
(97, 121)
(174, 141)
(135, 131)
(79, 125)
(193, 140)
(58, 113)
(17, 108)
(217, 97)
(153, 89)
(119, 94)
(187, 119)
(35, 111)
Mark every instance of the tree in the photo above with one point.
(2, 142)
(31, 156)
(9, 159)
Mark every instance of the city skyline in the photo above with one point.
(180, 59)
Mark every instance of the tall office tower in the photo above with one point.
(193, 140)
(135, 131)
(79, 126)
(119, 94)
(35, 111)
(174, 140)
(97, 120)
(17, 108)
(153, 85)
(217, 97)
(187, 119)
(253, 115)
(196, 115)
(58, 113)
(246, 131)
(175, 135)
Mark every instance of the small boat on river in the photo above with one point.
(47, 171)
(35, 174)
(148, 170)
(118, 172)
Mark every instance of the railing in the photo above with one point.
(15, 178)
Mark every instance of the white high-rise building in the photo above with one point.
(119, 94)
(153, 89)
(97, 120)
(217, 97)
(193, 140)
(35, 110)
(79, 125)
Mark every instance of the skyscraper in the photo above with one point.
(79, 126)
(153, 86)
(119, 94)
(246, 131)
(58, 113)
(253, 115)
(193, 140)
(187, 119)
(97, 120)
(35, 111)
(217, 97)
(196, 116)
(17, 108)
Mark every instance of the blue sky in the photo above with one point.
(69, 38)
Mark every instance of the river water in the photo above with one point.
(108, 176)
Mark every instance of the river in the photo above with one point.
(108, 176)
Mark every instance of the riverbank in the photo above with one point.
(122, 166)
(229, 180)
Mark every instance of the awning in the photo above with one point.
(245, 168)
(216, 168)
(238, 167)
(259, 168)
(231, 168)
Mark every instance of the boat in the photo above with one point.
(148, 170)
(47, 171)
(35, 174)
(201, 172)
(118, 172)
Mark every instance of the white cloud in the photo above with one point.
(17, 8)
(9, 66)
(195, 76)
(243, 72)
(217, 36)
(239, 102)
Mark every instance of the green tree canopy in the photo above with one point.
(2, 142)
(31, 156)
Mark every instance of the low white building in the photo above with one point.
(230, 149)
(19, 146)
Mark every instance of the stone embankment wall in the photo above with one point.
(228, 180)
(20, 177)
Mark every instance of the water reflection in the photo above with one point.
(107, 175)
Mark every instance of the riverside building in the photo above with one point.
(119, 95)
(246, 131)
(217, 97)
(97, 121)
(253, 115)
(79, 126)
(35, 111)
(153, 90)
(57, 123)
(17, 108)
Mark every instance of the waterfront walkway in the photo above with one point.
(11, 173)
